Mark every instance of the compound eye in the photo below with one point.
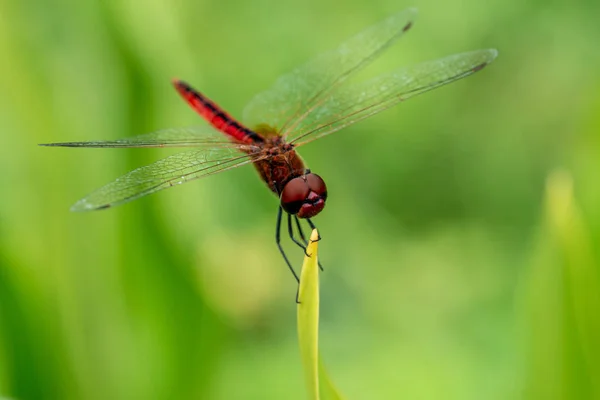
(317, 185)
(294, 194)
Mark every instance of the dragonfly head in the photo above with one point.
(304, 195)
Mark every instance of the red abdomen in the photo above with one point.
(215, 115)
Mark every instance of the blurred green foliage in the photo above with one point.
(479, 285)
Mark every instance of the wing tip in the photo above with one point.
(412, 10)
(83, 205)
(406, 17)
(411, 14)
(491, 55)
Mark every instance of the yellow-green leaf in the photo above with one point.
(562, 299)
(317, 381)
(308, 317)
(328, 390)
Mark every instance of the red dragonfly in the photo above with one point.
(306, 104)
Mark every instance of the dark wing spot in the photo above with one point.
(407, 27)
(479, 67)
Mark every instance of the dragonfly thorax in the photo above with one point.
(304, 195)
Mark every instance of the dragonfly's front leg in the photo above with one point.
(278, 241)
(312, 226)
(291, 233)
(302, 236)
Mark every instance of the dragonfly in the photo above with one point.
(312, 101)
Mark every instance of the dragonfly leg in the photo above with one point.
(301, 232)
(312, 226)
(291, 233)
(278, 240)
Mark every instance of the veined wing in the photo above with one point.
(296, 94)
(357, 102)
(174, 170)
(175, 137)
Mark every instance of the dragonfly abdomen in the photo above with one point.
(215, 115)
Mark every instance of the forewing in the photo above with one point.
(175, 137)
(294, 95)
(359, 101)
(165, 173)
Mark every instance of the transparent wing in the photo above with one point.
(175, 137)
(297, 93)
(165, 173)
(357, 102)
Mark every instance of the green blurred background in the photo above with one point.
(460, 237)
